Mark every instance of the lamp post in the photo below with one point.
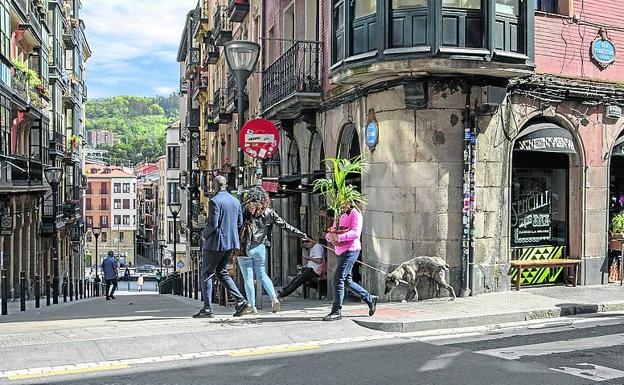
(241, 57)
(53, 175)
(96, 233)
(175, 208)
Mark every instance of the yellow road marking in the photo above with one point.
(68, 371)
(272, 350)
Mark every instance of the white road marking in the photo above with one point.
(591, 372)
(440, 362)
(516, 352)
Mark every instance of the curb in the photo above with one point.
(413, 325)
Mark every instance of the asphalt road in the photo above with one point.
(557, 352)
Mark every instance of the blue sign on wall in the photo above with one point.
(603, 52)
(372, 135)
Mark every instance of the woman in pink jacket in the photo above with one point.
(348, 247)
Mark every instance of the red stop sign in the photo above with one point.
(259, 138)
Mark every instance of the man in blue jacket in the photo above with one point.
(110, 269)
(220, 240)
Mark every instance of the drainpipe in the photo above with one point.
(468, 242)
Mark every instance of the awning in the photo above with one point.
(546, 137)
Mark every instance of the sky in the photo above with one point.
(134, 44)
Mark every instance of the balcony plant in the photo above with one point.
(32, 77)
(617, 226)
(335, 190)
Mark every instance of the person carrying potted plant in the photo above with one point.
(346, 241)
(259, 219)
(345, 201)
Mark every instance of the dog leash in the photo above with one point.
(362, 263)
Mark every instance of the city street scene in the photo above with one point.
(311, 192)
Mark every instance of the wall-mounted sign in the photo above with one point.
(372, 131)
(259, 138)
(180, 264)
(603, 49)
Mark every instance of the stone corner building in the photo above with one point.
(494, 137)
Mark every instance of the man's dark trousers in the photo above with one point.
(215, 263)
(307, 274)
(109, 283)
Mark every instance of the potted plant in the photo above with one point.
(335, 190)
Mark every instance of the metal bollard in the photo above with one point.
(195, 286)
(47, 290)
(70, 289)
(37, 292)
(190, 281)
(64, 289)
(22, 283)
(5, 292)
(81, 289)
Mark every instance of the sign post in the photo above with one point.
(259, 139)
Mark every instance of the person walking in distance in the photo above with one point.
(348, 247)
(111, 271)
(259, 219)
(140, 282)
(221, 238)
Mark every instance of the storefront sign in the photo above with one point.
(259, 138)
(532, 219)
(546, 143)
(372, 131)
(603, 49)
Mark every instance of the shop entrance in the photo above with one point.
(540, 199)
(616, 211)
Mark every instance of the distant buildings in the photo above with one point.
(110, 204)
(97, 138)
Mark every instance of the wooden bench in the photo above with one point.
(541, 263)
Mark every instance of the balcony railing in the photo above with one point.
(222, 28)
(35, 23)
(220, 113)
(238, 9)
(58, 142)
(296, 74)
(199, 83)
(211, 53)
(18, 83)
(231, 100)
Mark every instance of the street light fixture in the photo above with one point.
(242, 57)
(96, 233)
(53, 176)
(175, 208)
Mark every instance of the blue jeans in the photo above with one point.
(255, 262)
(345, 264)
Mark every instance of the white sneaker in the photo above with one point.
(276, 305)
(253, 310)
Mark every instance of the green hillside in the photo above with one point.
(139, 124)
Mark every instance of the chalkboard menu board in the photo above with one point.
(532, 219)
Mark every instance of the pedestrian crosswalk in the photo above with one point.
(587, 350)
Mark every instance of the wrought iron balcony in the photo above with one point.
(192, 119)
(293, 83)
(210, 124)
(199, 83)
(220, 115)
(34, 23)
(18, 84)
(20, 172)
(58, 143)
(222, 27)
(231, 101)
(238, 9)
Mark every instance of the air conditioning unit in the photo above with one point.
(614, 112)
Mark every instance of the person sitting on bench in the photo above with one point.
(314, 254)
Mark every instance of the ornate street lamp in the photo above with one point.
(96, 233)
(53, 175)
(175, 208)
(241, 56)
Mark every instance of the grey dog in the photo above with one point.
(409, 271)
